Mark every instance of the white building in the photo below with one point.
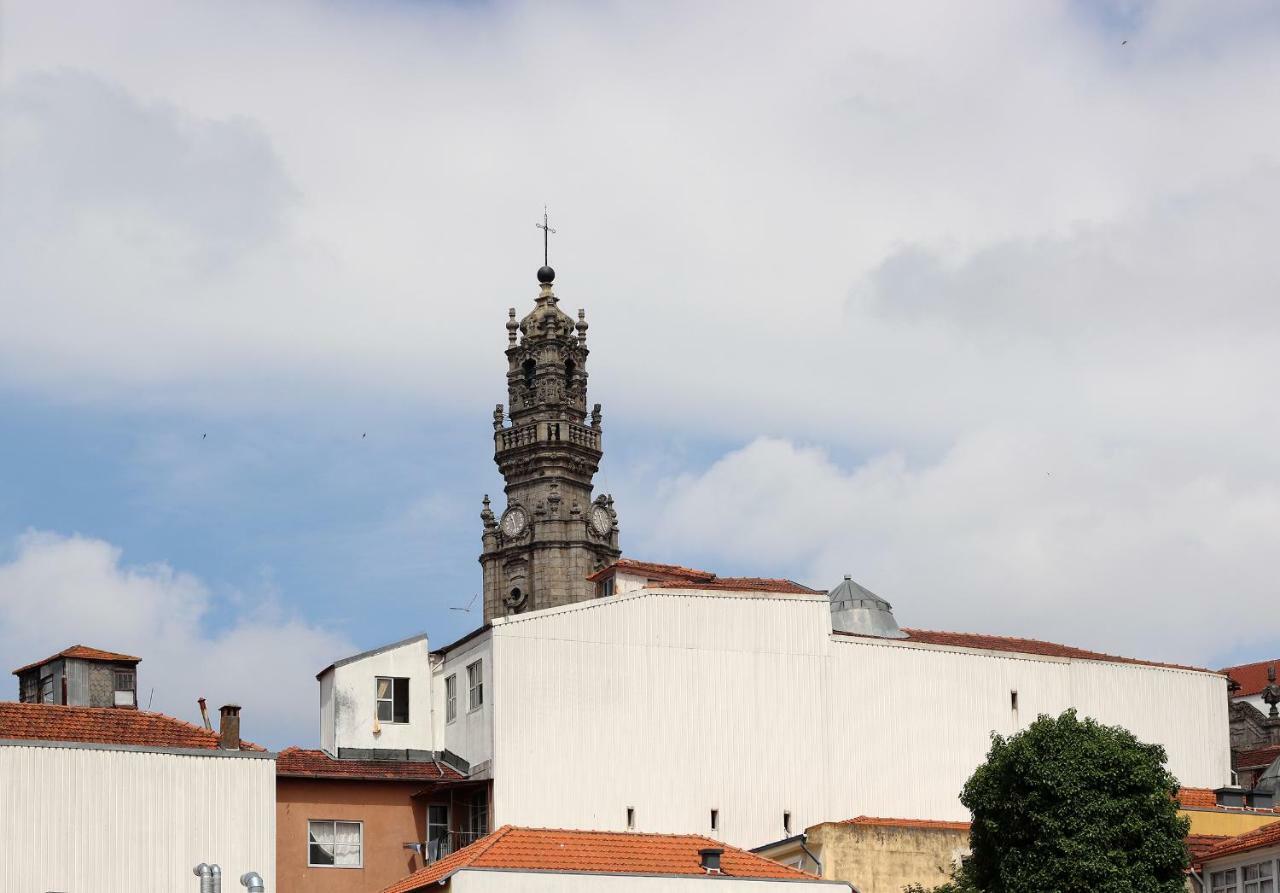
(1249, 863)
(731, 707)
(118, 800)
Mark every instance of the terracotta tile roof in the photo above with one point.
(607, 852)
(1197, 798)
(83, 652)
(925, 824)
(653, 570)
(1199, 844)
(103, 725)
(738, 584)
(1267, 835)
(1252, 678)
(1259, 758)
(1020, 646)
(293, 762)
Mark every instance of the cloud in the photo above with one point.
(62, 590)
(1009, 532)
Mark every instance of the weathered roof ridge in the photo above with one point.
(104, 725)
(879, 821)
(83, 652)
(1267, 835)
(297, 762)
(342, 662)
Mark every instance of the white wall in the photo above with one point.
(470, 735)
(354, 699)
(675, 704)
(327, 730)
(473, 881)
(81, 820)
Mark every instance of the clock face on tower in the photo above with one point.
(601, 520)
(514, 521)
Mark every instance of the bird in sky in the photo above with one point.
(203, 436)
(1123, 42)
(467, 609)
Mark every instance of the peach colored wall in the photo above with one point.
(391, 819)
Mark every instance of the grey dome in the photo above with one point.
(860, 611)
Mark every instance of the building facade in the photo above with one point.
(552, 533)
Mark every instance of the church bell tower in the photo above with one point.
(552, 534)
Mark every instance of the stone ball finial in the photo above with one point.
(512, 325)
(581, 324)
(546, 275)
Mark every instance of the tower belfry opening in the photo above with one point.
(553, 532)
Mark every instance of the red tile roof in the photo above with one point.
(1267, 835)
(1204, 798)
(83, 652)
(673, 576)
(925, 824)
(1252, 678)
(1259, 758)
(738, 584)
(1019, 646)
(1199, 844)
(653, 571)
(293, 762)
(604, 852)
(103, 725)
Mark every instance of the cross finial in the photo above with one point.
(546, 234)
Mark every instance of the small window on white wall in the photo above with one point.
(475, 685)
(631, 818)
(715, 820)
(332, 844)
(786, 822)
(451, 698)
(393, 699)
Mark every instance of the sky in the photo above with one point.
(976, 303)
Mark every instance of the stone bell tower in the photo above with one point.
(552, 533)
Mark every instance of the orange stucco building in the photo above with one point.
(350, 826)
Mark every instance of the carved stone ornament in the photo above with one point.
(1271, 694)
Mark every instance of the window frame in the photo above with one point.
(40, 690)
(443, 849)
(475, 685)
(379, 701)
(450, 697)
(479, 805)
(335, 822)
(132, 675)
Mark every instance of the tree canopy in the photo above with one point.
(1073, 806)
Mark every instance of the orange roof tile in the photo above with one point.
(603, 852)
(103, 725)
(1267, 835)
(1199, 844)
(1204, 798)
(1016, 645)
(1252, 678)
(294, 762)
(653, 570)
(83, 652)
(907, 823)
(1258, 758)
(739, 584)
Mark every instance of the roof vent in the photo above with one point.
(711, 859)
(861, 612)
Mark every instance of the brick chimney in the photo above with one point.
(229, 727)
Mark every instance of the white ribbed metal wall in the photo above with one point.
(482, 881)
(82, 820)
(675, 704)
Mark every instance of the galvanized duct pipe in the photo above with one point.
(216, 874)
(205, 874)
(253, 881)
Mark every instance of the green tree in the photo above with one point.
(1073, 806)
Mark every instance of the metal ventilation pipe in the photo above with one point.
(253, 881)
(216, 874)
(205, 873)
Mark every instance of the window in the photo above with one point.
(1013, 701)
(46, 689)
(786, 822)
(631, 818)
(333, 844)
(475, 685)
(606, 588)
(393, 699)
(568, 374)
(30, 692)
(529, 368)
(1259, 878)
(478, 820)
(125, 688)
(437, 831)
(715, 820)
(1223, 881)
(451, 698)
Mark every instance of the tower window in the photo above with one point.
(529, 368)
(568, 374)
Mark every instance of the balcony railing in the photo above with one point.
(524, 435)
(450, 843)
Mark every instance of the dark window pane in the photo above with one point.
(384, 711)
(321, 854)
(401, 711)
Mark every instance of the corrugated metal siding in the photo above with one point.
(677, 704)
(472, 881)
(108, 821)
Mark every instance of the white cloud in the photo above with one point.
(63, 590)
(1009, 532)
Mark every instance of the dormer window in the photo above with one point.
(393, 699)
(126, 688)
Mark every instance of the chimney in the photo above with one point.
(229, 727)
(711, 859)
(204, 713)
